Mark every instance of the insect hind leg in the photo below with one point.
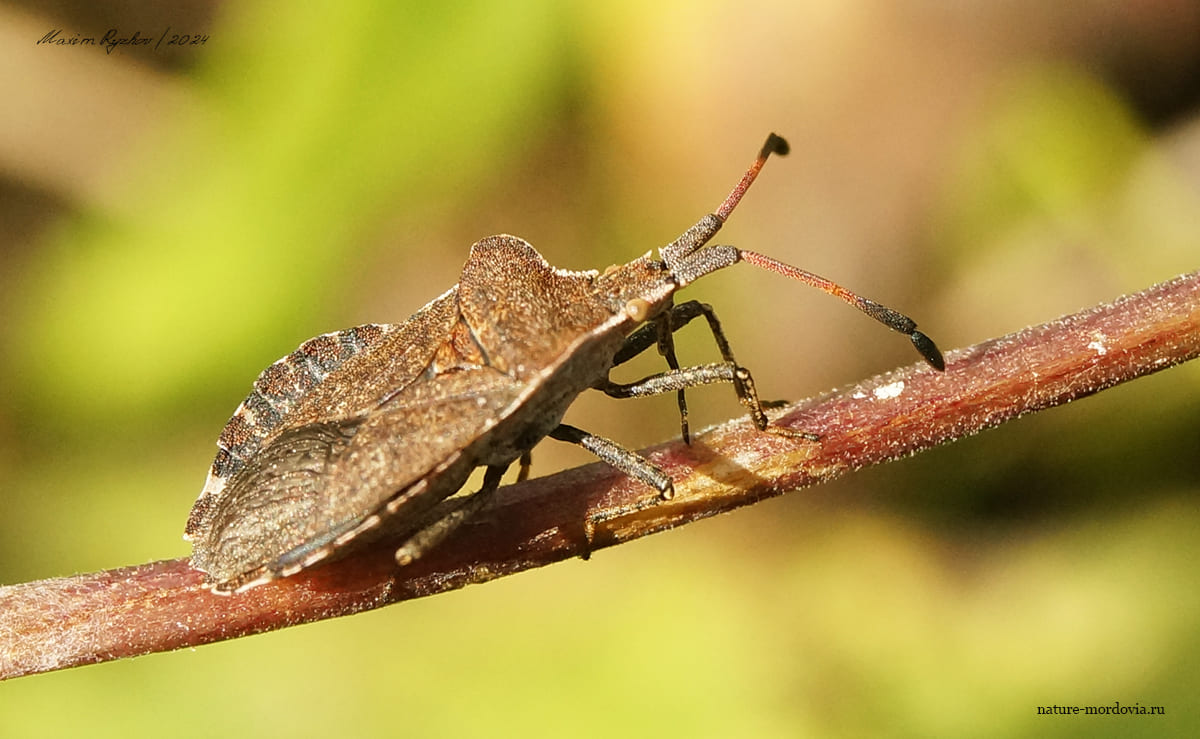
(452, 514)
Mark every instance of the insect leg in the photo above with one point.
(524, 465)
(665, 326)
(451, 516)
(693, 308)
(631, 463)
(662, 332)
(679, 379)
(650, 334)
(705, 374)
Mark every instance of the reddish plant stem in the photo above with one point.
(70, 621)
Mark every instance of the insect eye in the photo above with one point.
(638, 309)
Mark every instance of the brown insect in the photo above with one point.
(385, 422)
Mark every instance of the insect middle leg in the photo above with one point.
(661, 332)
(629, 462)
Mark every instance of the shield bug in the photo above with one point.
(380, 425)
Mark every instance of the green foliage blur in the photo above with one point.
(315, 166)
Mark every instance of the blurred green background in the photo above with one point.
(176, 219)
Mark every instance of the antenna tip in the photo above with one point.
(776, 144)
(928, 350)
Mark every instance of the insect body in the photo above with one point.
(384, 423)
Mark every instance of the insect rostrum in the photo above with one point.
(380, 425)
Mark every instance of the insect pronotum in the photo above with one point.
(383, 423)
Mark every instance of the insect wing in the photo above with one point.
(314, 488)
(274, 492)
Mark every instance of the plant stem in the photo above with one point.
(71, 621)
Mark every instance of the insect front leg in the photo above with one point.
(678, 379)
(688, 377)
(450, 516)
(662, 332)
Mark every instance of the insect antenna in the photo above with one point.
(892, 319)
(689, 260)
(774, 145)
(691, 240)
